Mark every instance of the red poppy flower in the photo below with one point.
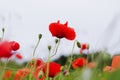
(21, 73)
(5, 49)
(36, 62)
(62, 30)
(54, 69)
(7, 74)
(18, 56)
(116, 62)
(84, 47)
(39, 62)
(79, 62)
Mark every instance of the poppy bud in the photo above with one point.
(3, 30)
(56, 41)
(49, 47)
(78, 44)
(40, 36)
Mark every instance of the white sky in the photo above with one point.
(24, 19)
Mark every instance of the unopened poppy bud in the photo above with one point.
(49, 47)
(3, 29)
(56, 41)
(78, 44)
(40, 36)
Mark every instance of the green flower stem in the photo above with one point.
(35, 48)
(47, 71)
(55, 49)
(33, 54)
(71, 57)
(87, 57)
(49, 57)
(60, 76)
(92, 57)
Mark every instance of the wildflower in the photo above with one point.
(84, 47)
(54, 69)
(5, 49)
(21, 73)
(79, 62)
(116, 62)
(39, 62)
(7, 74)
(62, 30)
(36, 62)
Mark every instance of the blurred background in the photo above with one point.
(96, 22)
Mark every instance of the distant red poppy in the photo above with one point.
(54, 69)
(39, 62)
(116, 62)
(7, 74)
(84, 46)
(21, 73)
(36, 62)
(79, 62)
(62, 30)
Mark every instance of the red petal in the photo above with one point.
(70, 34)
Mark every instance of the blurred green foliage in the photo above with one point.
(102, 59)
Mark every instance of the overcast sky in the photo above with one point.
(93, 21)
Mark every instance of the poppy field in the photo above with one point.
(98, 65)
